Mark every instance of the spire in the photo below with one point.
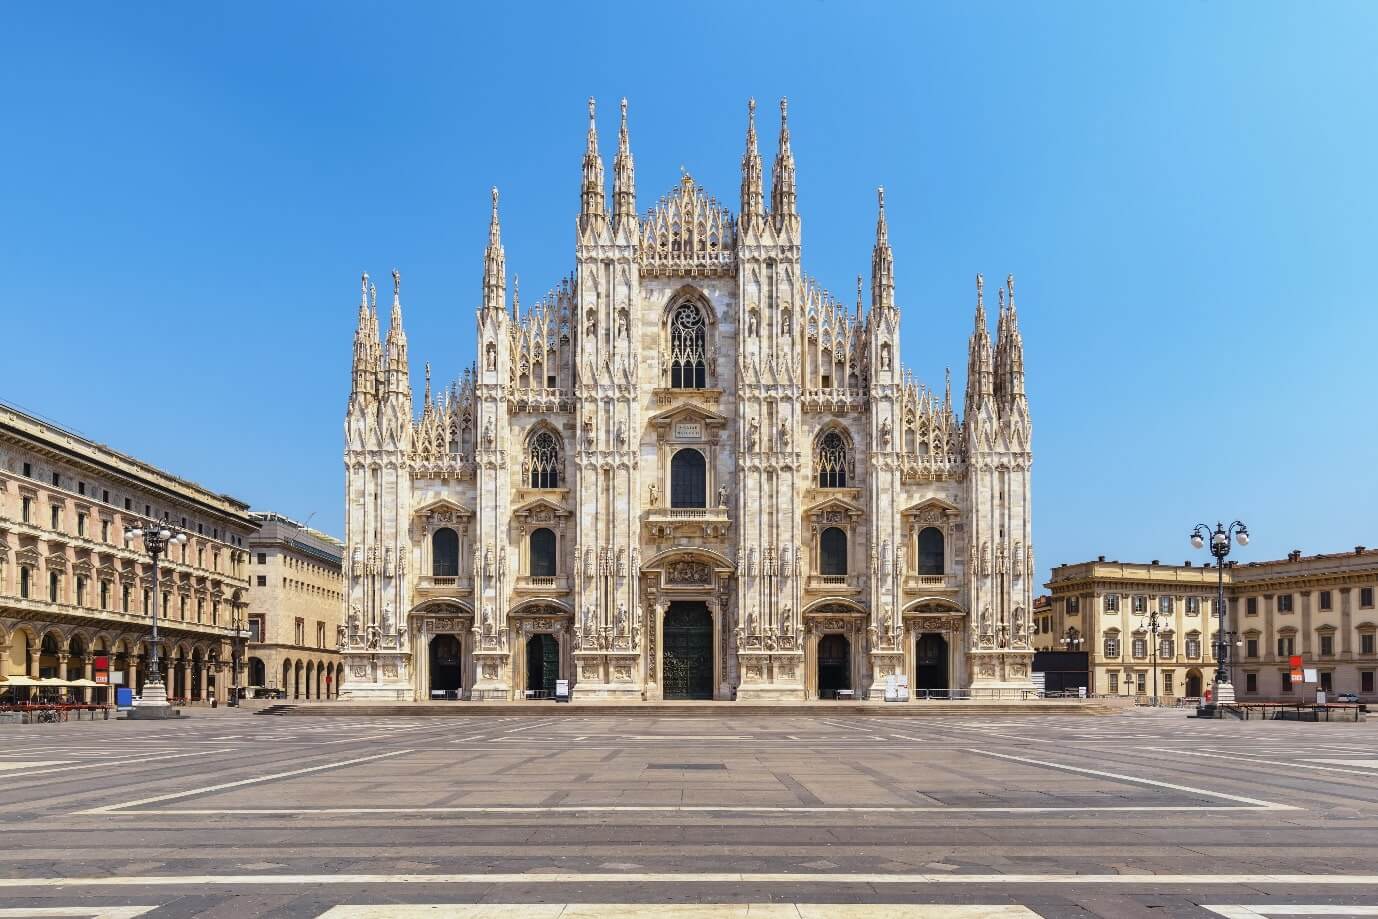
(882, 262)
(624, 179)
(753, 194)
(494, 264)
(1014, 352)
(398, 375)
(365, 348)
(591, 195)
(858, 299)
(979, 382)
(1001, 355)
(782, 192)
(426, 400)
(516, 297)
(947, 391)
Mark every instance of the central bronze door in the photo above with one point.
(688, 661)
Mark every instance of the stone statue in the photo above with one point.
(488, 433)
(655, 495)
(341, 636)
(885, 432)
(751, 621)
(621, 434)
(753, 434)
(354, 620)
(588, 432)
(722, 496)
(621, 622)
(784, 435)
(373, 637)
(387, 619)
(488, 618)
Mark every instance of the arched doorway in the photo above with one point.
(688, 656)
(1193, 684)
(931, 660)
(834, 665)
(542, 663)
(258, 675)
(446, 676)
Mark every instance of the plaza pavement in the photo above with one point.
(1136, 814)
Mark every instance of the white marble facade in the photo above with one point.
(686, 472)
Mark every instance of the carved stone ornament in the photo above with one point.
(689, 573)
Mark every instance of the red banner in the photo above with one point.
(1294, 662)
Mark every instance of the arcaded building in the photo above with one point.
(688, 471)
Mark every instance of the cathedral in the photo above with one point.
(687, 472)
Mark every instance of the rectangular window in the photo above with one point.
(1366, 597)
(105, 495)
(57, 479)
(1193, 648)
(182, 608)
(263, 558)
(24, 577)
(1286, 681)
(827, 382)
(262, 580)
(1284, 603)
(81, 488)
(200, 608)
(1286, 646)
(81, 524)
(1165, 648)
(56, 517)
(1142, 678)
(104, 594)
(124, 599)
(26, 508)
(320, 634)
(1366, 643)
(128, 504)
(1365, 681)
(1140, 647)
(1112, 647)
(1327, 681)
(1114, 679)
(1167, 682)
(1165, 604)
(1073, 606)
(81, 591)
(1324, 601)
(105, 531)
(1251, 682)
(1251, 606)
(52, 587)
(1327, 646)
(28, 470)
(549, 384)
(1251, 647)
(300, 632)
(1112, 603)
(255, 628)
(1193, 606)
(1140, 603)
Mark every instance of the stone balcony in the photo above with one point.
(701, 522)
(435, 585)
(833, 583)
(931, 583)
(540, 585)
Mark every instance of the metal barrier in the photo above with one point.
(1290, 711)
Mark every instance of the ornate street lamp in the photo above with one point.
(156, 538)
(1072, 640)
(1153, 659)
(237, 623)
(1219, 540)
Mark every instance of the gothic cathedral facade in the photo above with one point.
(687, 473)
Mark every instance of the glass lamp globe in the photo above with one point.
(1242, 537)
(1220, 539)
(182, 538)
(1196, 541)
(165, 534)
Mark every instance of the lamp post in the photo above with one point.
(1219, 540)
(156, 538)
(1072, 640)
(238, 624)
(1153, 652)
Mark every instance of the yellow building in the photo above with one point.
(1320, 607)
(296, 603)
(75, 601)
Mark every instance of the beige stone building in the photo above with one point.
(688, 472)
(75, 601)
(296, 605)
(1318, 606)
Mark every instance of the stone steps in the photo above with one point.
(1072, 707)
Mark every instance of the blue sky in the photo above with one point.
(1184, 191)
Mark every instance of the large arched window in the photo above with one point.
(688, 348)
(831, 459)
(931, 559)
(688, 479)
(832, 551)
(544, 460)
(445, 553)
(543, 553)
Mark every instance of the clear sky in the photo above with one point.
(1185, 193)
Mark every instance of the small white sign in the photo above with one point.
(892, 693)
(562, 689)
(688, 430)
(1309, 675)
